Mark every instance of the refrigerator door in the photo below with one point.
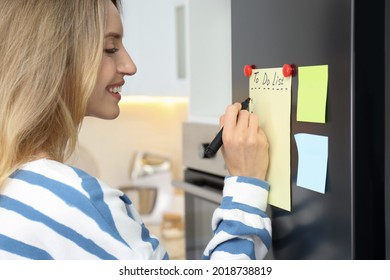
(387, 128)
(347, 221)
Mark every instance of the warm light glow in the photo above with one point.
(152, 99)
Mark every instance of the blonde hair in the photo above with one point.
(50, 54)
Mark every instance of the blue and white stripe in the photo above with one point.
(242, 229)
(49, 210)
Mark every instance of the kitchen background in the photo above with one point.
(107, 148)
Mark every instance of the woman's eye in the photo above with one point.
(111, 50)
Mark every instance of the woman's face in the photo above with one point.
(116, 63)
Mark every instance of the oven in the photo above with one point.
(202, 185)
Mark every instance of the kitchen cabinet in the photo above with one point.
(209, 40)
(181, 48)
(155, 39)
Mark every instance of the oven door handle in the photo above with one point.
(203, 192)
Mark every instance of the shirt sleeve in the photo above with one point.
(242, 229)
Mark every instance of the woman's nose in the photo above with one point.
(126, 65)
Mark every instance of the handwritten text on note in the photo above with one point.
(271, 101)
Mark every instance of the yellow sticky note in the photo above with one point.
(312, 93)
(271, 101)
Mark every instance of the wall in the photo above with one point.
(150, 124)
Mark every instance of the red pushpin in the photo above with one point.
(248, 70)
(288, 70)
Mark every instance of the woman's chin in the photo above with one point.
(106, 114)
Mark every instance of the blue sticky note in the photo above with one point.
(312, 161)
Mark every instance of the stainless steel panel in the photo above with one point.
(204, 192)
(195, 137)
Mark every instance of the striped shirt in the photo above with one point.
(49, 210)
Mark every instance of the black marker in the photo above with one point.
(214, 146)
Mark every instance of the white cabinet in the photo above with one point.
(209, 33)
(154, 39)
(181, 48)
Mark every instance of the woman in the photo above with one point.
(62, 60)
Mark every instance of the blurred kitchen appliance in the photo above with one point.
(348, 221)
(203, 183)
(151, 186)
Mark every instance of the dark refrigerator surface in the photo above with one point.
(387, 128)
(347, 221)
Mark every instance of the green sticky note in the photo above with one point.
(312, 93)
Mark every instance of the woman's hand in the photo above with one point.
(245, 145)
